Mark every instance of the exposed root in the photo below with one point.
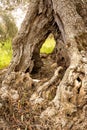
(69, 104)
(66, 111)
(10, 84)
(51, 81)
(45, 86)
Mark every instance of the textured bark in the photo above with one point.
(67, 21)
(35, 29)
(71, 95)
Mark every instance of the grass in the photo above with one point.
(5, 53)
(6, 50)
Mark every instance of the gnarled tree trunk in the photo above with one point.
(67, 20)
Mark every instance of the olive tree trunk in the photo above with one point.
(67, 20)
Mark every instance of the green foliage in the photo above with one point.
(8, 30)
(48, 46)
(7, 26)
(5, 53)
(10, 25)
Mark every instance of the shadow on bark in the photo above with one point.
(58, 100)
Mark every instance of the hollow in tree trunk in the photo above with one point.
(67, 21)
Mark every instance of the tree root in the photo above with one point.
(11, 84)
(70, 100)
(46, 85)
(51, 81)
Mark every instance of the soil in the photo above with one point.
(22, 114)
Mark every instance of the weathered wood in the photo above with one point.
(61, 18)
(35, 29)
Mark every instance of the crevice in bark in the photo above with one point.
(81, 7)
(67, 110)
